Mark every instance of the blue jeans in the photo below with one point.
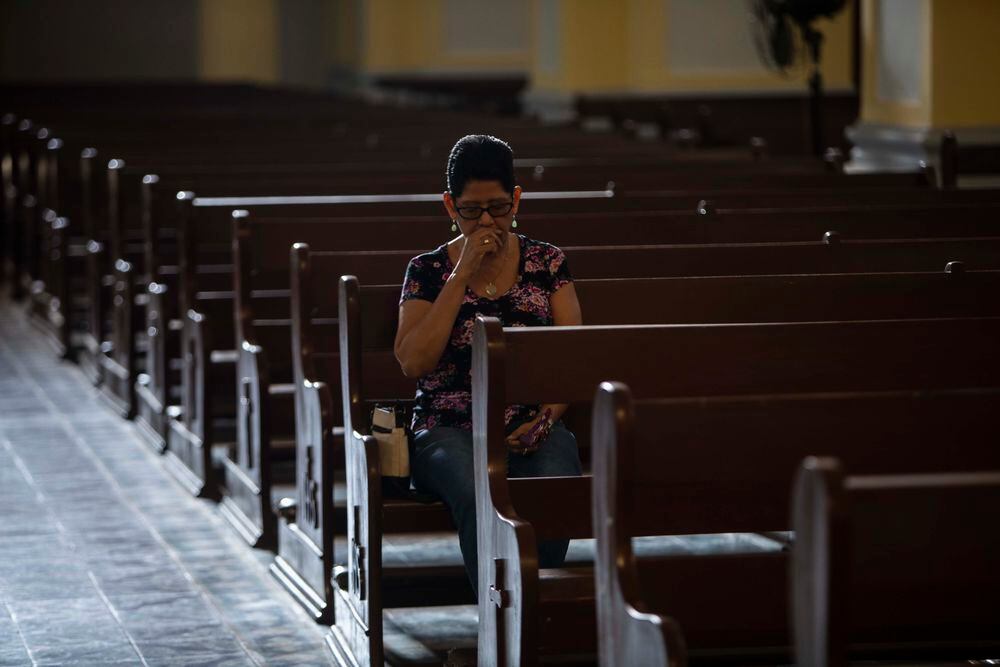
(442, 465)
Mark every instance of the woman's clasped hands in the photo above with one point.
(482, 243)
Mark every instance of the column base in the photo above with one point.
(880, 147)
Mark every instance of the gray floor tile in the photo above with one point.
(191, 661)
(12, 648)
(92, 519)
(83, 653)
(190, 646)
(142, 579)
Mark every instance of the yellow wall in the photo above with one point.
(624, 46)
(965, 79)
(603, 45)
(407, 36)
(595, 48)
(835, 64)
(239, 40)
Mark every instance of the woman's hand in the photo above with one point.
(555, 412)
(478, 245)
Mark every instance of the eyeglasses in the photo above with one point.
(476, 212)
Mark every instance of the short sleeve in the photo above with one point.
(423, 281)
(559, 269)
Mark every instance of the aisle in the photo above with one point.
(103, 558)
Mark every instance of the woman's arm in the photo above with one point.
(565, 312)
(425, 327)
(565, 307)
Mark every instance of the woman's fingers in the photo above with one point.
(523, 428)
(478, 245)
(490, 241)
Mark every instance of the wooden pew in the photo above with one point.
(159, 265)
(677, 300)
(137, 236)
(57, 205)
(517, 623)
(211, 217)
(123, 131)
(884, 567)
(369, 369)
(26, 211)
(122, 395)
(550, 172)
(259, 267)
(205, 295)
(954, 160)
(707, 121)
(715, 463)
(970, 215)
(410, 232)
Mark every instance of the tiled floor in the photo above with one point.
(104, 560)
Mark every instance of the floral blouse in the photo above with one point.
(444, 396)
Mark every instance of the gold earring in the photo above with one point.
(513, 224)
(454, 224)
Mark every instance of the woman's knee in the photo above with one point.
(442, 464)
(560, 454)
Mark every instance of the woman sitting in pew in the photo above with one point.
(486, 270)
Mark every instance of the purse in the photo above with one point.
(389, 429)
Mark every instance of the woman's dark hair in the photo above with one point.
(480, 157)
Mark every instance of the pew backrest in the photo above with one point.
(702, 360)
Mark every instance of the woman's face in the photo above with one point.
(467, 209)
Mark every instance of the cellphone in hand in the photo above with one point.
(531, 438)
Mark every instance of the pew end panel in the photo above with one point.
(55, 312)
(97, 262)
(358, 631)
(189, 447)
(524, 606)
(246, 505)
(98, 302)
(118, 356)
(159, 379)
(369, 373)
(208, 378)
(306, 564)
(627, 629)
(118, 360)
(247, 502)
(153, 385)
(508, 551)
(922, 591)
